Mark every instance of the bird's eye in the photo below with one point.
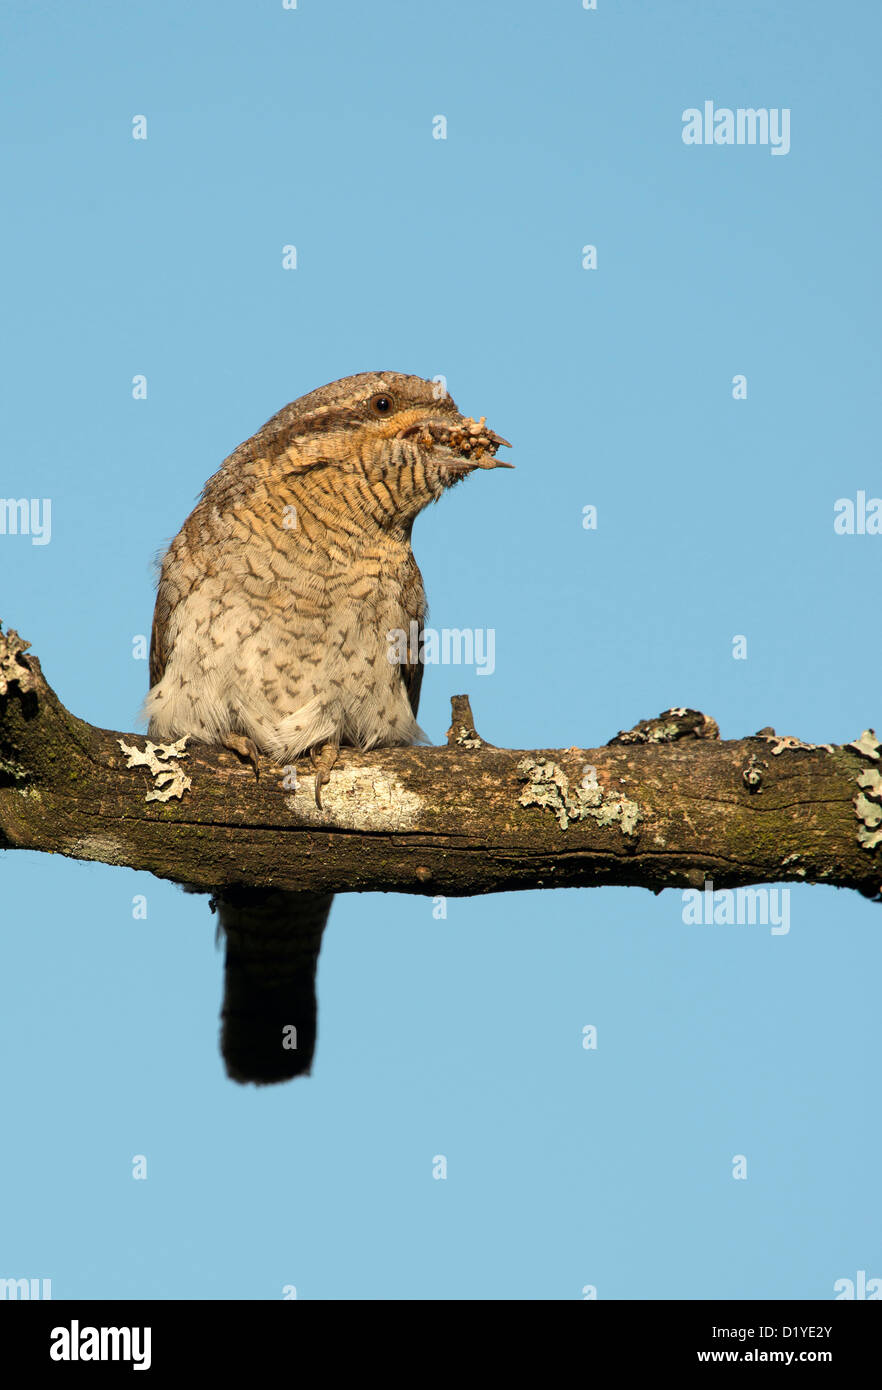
(381, 405)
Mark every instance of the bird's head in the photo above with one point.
(390, 443)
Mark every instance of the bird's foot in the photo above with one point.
(243, 747)
(323, 760)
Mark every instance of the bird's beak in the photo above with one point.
(485, 442)
(470, 438)
(496, 442)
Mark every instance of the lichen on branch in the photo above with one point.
(664, 804)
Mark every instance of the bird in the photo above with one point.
(270, 637)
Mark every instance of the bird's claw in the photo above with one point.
(323, 761)
(245, 748)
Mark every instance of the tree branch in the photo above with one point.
(666, 804)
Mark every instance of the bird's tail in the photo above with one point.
(268, 1018)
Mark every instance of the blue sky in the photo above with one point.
(313, 127)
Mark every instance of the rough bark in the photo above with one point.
(666, 804)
